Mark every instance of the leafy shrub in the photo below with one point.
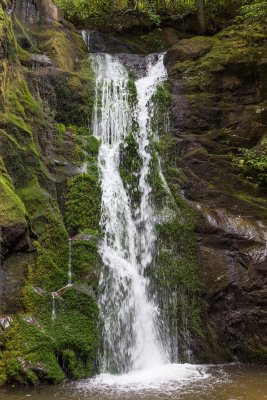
(253, 162)
(257, 11)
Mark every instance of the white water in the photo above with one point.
(70, 263)
(131, 342)
(167, 379)
(86, 37)
(53, 314)
(130, 336)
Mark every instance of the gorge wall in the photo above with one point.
(45, 107)
(219, 105)
(217, 101)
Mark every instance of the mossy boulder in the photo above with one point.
(191, 49)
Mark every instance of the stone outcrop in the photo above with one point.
(44, 141)
(34, 12)
(219, 105)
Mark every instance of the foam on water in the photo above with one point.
(169, 377)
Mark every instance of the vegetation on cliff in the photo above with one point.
(48, 330)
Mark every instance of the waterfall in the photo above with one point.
(146, 88)
(86, 35)
(70, 263)
(130, 318)
(53, 314)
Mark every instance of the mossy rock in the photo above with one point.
(43, 112)
(191, 49)
(51, 350)
(12, 209)
(86, 260)
(83, 203)
(205, 57)
(63, 46)
(41, 207)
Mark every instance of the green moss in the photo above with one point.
(2, 20)
(30, 104)
(86, 261)
(12, 140)
(52, 349)
(176, 269)
(74, 330)
(130, 164)
(132, 89)
(29, 347)
(40, 205)
(85, 146)
(7, 33)
(67, 345)
(24, 36)
(17, 122)
(83, 203)
(4, 173)
(37, 348)
(74, 101)
(60, 129)
(92, 145)
(12, 210)
(63, 46)
(21, 114)
(162, 103)
(238, 44)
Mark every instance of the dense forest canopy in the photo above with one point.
(98, 10)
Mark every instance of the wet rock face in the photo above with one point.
(101, 43)
(14, 239)
(219, 105)
(33, 12)
(232, 253)
(28, 11)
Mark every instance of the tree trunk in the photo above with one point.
(201, 16)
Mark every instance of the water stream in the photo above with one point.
(70, 263)
(130, 337)
(133, 347)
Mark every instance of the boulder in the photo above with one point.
(190, 49)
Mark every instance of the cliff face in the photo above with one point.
(44, 140)
(219, 106)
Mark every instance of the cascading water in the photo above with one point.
(70, 263)
(131, 340)
(135, 349)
